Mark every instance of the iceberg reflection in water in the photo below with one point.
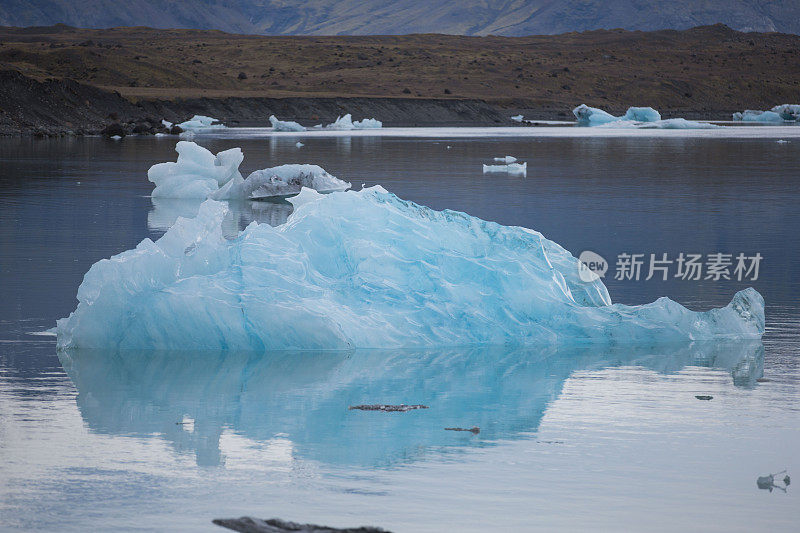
(303, 397)
(165, 213)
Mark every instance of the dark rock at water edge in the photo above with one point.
(114, 129)
(56, 107)
(246, 524)
(144, 128)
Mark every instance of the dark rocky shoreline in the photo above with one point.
(67, 107)
(56, 107)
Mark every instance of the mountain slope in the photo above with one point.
(376, 17)
(701, 71)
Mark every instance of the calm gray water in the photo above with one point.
(571, 440)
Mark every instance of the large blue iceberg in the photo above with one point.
(365, 269)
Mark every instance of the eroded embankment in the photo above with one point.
(55, 107)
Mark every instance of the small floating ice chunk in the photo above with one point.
(285, 125)
(518, 118)
(778, 114)
(346, 123)
(513, 168)
(198, 173)
(283, 180)
(592, 116)
(507, 159)
(342, 123)
(298, 144)
(200, 122)
(782, 141)
(115, 137)
(46, 333)
(751, 115)
(367, 123)
(642, 114)
(789, 112)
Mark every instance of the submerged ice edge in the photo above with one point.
(365, 269)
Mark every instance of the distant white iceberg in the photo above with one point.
(346, 123)
(752, 115)
(368, 124)
(285, 125)
(507, 159)
(778, 114)
(790, 112)
(201, 122)
(642, 114)
(198, 173)
(635, 117)
(365, 269)
(592, 116)
(518, 118)
(511, 168)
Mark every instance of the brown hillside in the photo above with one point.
(706, 70)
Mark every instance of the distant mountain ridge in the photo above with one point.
(378, 17)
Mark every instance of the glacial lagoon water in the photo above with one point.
(572, 439)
